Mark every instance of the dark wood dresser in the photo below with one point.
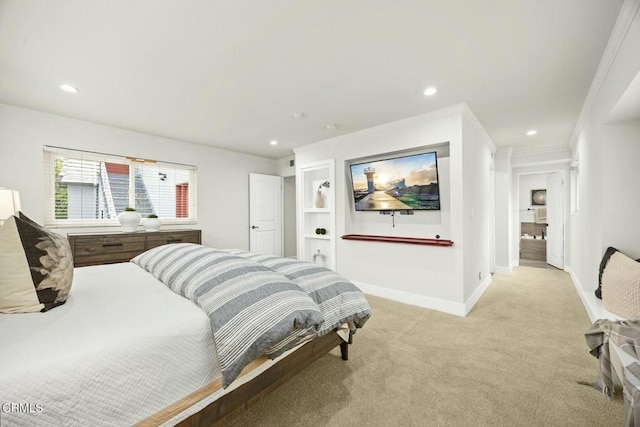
(109, 248)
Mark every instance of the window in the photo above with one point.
(91, 189)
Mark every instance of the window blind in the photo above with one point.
(90, 189)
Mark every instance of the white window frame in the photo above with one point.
(49, 155)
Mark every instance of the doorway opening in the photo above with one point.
(541, 219)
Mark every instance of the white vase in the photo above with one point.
(151, 224)
(129, 221)
(318, 202)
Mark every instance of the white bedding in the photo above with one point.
(158, 345)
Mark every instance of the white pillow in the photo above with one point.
(621, 286)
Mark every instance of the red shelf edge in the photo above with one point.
(395, 239)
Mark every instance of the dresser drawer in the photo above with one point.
(109, 248)
(190, 236)
(109, 245)
(106, 249)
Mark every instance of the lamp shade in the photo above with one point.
(9, 203)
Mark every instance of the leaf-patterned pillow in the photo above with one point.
(36, 266)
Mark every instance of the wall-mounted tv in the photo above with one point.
(397, 184)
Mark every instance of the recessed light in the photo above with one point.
(331, 126)
(68, 88)
(273, 142)
(430, 91)
(298, 116)
(531, 132)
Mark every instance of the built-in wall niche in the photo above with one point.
(315, 186)
(421, 223)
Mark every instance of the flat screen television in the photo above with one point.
(397, 184)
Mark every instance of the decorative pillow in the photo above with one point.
(605, 259)
(621, 286)
(36, 265)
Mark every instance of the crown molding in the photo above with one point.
(478, 125)
(627, 14)
(529, 150)
(508, 150)
(541, 156)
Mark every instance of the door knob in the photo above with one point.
(253, 227)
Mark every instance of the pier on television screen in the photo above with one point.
(395, 184)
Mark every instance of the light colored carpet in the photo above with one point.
(519, 358)
(534, 263)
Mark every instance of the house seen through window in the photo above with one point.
(92, 189)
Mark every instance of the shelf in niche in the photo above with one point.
(396, 239)
(317, 210)
(318, 237)
(310, 178)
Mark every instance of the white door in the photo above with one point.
(265, 214)
(555, 223)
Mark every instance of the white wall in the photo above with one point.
(503, 173)
(620, 180)
(285, 168)
(585, 227)
(423, 275)
(289, 226)
(608, 156)
(223, 182)
(478, 205)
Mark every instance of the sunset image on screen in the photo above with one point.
(403, 183)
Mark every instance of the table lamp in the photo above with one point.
(9, 203)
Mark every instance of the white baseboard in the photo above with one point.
(473, 299)
(450, 307)
(503, 270)
(410, 298)
(592, 305)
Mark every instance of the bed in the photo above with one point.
(125, 349)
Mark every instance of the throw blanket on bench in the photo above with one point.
(626, 335)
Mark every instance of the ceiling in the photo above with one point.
(231, 74)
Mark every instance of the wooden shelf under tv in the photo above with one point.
(396, 239)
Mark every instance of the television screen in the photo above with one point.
(400, 183)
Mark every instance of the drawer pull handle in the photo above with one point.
(174, 240)
(106, 245)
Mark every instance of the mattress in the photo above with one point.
(122, 348)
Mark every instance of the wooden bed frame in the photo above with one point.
(235, 402)
(231, 404)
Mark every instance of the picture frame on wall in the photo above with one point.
(538, 197)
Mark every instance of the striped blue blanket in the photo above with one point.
(256, 304)
(340, 301)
